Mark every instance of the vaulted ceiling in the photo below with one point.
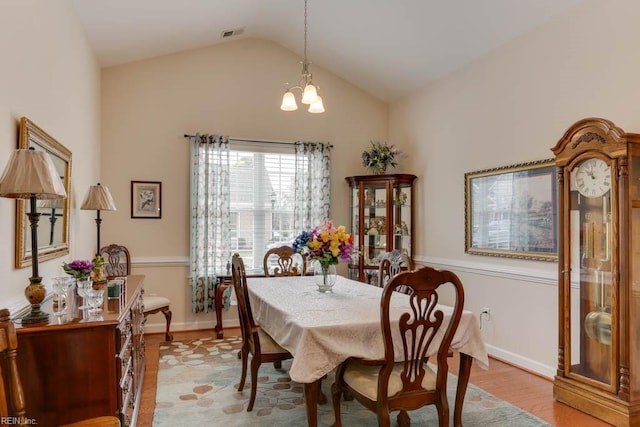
(386, 47)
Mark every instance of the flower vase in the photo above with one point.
(325, 277)
(378, 170)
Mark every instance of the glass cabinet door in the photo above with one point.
(634, 270)
(402, 218)
(354, 265)
(592, 291)
(375, 222)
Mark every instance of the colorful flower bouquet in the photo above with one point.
(326, 244)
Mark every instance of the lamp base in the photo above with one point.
(35, 294)
(35, 316)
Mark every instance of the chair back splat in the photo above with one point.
(283, 261)
(247, 324)
(411, 383)
(117, 261)
(391, 264)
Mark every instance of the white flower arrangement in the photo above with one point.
(380, 157)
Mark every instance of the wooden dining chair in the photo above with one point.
(117, 262)
(12, 398)
(283, 261)
(255, 341)
(385, 386)
(391, 264)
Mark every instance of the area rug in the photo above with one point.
(198, 380)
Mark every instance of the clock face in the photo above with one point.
(593, 178)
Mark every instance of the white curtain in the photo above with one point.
(313, 189)
(210, 227)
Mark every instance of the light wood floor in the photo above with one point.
(530, 392)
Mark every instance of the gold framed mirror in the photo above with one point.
(53, 227)
(511, 211)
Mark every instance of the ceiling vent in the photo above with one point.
(231, 33)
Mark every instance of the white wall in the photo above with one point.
(49, 75)
(511, 107)
(232, 89)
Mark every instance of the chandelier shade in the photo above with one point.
(310, 94)
(317, 107)
(309, 90)
(289, 102)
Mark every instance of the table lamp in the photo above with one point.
(99, 199)
(31, 175)
(52, 204)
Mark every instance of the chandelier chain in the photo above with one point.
(305, 30)
(309, 90)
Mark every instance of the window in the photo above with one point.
(261, 202)
(247, 197)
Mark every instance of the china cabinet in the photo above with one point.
(80, 366)
(381, 220)
(599, 271)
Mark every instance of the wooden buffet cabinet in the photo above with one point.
(75, 368)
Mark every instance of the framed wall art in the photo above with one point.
(511, 211)
(146, 199)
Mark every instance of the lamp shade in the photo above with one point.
(52, 203)
(288, 102)
(98, 198)
(310, 94)
(317, 106)
(31, 172)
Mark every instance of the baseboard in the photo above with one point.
(206, 326)
(521, 362)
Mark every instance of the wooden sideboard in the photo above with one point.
(77, 366)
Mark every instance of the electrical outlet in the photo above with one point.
(486, 313)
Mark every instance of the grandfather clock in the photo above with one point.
(599, 271)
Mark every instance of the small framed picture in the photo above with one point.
(146, 199)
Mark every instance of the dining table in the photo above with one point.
(322, 330)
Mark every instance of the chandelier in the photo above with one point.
(309, 90)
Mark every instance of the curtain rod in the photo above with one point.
(254, 140)
(247, 140)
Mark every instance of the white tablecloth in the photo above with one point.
(323, 330)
